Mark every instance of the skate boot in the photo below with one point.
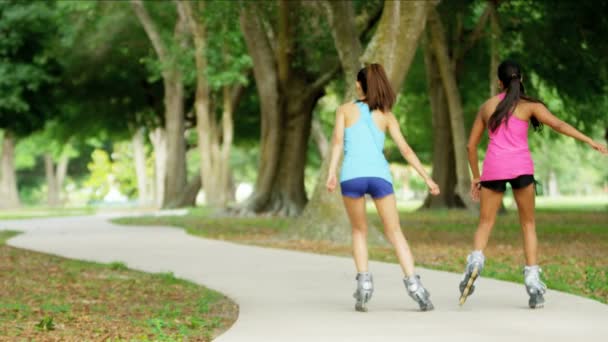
(475, 262)
(418, 292)
(365, 288)
(534, 286)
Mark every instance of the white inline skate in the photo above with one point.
(534, 286)
(365, 289)
(475, 262)
(418, 292)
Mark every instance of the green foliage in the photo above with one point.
(228, 61)
(100, 169)
(28, 70)
(112, 170)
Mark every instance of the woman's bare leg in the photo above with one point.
(387, 209)
(355, 208)
(525, 199)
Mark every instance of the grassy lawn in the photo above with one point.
(44, 297)
(573, 244)
(35, 212)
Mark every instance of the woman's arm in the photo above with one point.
(477, 130)
(544, 115)
(336, 149)
(408, 153)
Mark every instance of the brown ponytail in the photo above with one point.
(377, 89)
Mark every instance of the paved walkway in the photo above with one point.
(291, 296)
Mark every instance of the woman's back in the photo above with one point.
(508, 154)
(363, 143)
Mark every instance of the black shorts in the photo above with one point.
(516, 183)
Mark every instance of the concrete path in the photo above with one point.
(292, 296)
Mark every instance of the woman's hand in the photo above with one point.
(433, 187)
(332, 182)
(475, 189)
(598, 147)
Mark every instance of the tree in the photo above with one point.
(27, 72)
(230, 64)
(173, 85)
(452, 93)
(290, 79)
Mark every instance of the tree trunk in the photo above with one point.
(552, 185)
(214, 140)
(188, 197)
(55, 176)
(61, 172)
(159, 144)
(320, 139)
(139, 157)
(444, 168)
(287, 98)
(396, 38)
(346, 39)
(440, 49)
(175, 177)
(393, 45)
(494, 48)
(9, 196)
(51, 181)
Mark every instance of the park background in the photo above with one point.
(223, 110)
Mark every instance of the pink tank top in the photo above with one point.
(508, 155)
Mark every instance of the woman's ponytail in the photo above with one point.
(379, 93)
(509, 73)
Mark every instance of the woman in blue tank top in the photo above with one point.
(359, 132)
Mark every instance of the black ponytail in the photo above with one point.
(509, 73)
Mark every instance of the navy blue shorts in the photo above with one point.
(358, 187)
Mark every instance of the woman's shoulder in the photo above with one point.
(490, 104)
(347, 107)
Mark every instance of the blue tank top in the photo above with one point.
(363, 144)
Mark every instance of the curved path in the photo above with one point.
(292, 296)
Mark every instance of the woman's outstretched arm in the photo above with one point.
(544, 115)
(408, 153)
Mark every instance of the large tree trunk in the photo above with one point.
(444, 168)
(393, 45)
(175, 181)
(320, 138)
(139, 157)
(188, 197)
(159, 144)
(9, 196)
(494, 48)
(448, 78)
(287, 98)
(346, 39)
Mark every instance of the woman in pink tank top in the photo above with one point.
(508, 160)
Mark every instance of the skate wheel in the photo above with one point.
(467, 288)
(360, 307)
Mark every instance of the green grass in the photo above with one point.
(44, 297)
(573, 244)
(6, 234)
(38, 212)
